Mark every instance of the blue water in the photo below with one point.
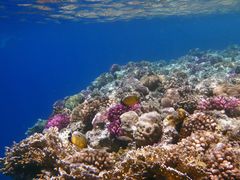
(41, 63)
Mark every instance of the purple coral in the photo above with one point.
(59, 120)
(115, 128)
(116, 111)
(114, 114)
(219, 103)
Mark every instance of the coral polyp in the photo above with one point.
(144, 120)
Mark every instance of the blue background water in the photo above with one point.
(41, 63)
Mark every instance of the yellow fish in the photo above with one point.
(78, 139)
(130, 100)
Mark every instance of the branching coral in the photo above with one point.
(33, 154)
(229, 104)
(59, 120)
(198, 121)
(184, 160)
(223, 161)
(86, 164)
(85, 112)
(97, 158)
(218, 103)
(145, 163)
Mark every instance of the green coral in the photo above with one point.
(72, 101)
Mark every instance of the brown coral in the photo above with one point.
(170, 97)
(128, 122)
(223, 161)
(100, 159)
(189, 105)
(227, 89)
(35, 153)
(148, 129)
(145, 163)
(152, 82)
(85, 112)
(198, 121)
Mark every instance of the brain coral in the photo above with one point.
(148, 129)
(128, 122)
(152, 82)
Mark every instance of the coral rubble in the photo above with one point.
(144, 120)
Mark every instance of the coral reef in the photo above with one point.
(143, 120)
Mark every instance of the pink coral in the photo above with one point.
(59, 120)
(219, 103)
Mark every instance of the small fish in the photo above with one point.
(78, 139)
(130, 100)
